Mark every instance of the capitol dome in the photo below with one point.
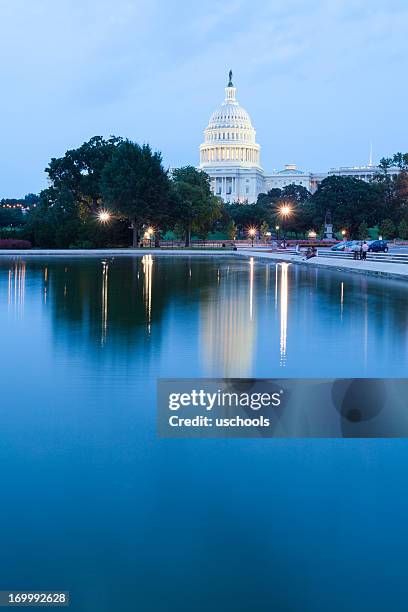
(229, 137)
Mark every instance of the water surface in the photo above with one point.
(92, 502)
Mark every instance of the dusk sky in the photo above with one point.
(320, 80)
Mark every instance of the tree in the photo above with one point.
(80, 170)
(296, 193)
(232, 229)
(31, 199)
(403, 230)
(264, 230)
(350, 200)
(55, 221)
(135, 185)
(250, 215)
(387, 229)
(400, 160)
(10, 217)
(363, 230)
(197, 207)
(271, 197)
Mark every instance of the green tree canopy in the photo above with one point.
(232, 230)
(80, 170)
(250, 215)
(10, 217)
(363, 231)
(264, 230)
(387, 229)
(269, 198)
(350, 200)
(197, 207)
(296, 193)
(403, 230)
(135, 185)
(54, 222)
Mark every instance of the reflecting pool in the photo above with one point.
(92, 502)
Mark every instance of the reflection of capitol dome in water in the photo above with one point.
(230, 154)
(227, 329)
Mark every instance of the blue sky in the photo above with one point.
(319, 79)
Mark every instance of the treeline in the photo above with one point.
(129, 184)
(353, 205)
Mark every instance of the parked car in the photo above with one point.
(342, 246)
(378, 246)
(345, 246)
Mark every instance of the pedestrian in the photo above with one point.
(364, 250)
(356, 251)
(311, 253)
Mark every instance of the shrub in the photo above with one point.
(387, 229)
(82, 244)
(10, 243)
(403, 230)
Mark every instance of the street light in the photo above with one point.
(285, 211)
(252, 234)
(104, 216)
(343, 233)
(150, 233)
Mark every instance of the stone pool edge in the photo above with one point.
(370, 268)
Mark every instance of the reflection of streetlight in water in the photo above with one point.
(16, 286)
(283, 312)
(104, 301)
(147, 262)
(251, 286)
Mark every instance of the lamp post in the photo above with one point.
(252, 234)
(277, 232)
(285, 211)
(343, 233)
(150, 233)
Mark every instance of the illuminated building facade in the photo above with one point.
(231, 157)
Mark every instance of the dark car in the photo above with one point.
(378, 246)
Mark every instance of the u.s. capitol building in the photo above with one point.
(231, 157)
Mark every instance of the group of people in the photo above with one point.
(360, 250)
(310, 252)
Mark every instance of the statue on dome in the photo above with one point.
(230, 84)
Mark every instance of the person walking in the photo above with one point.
(364, 250)
(356, 251)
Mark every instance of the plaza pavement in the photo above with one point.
(375, 268)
